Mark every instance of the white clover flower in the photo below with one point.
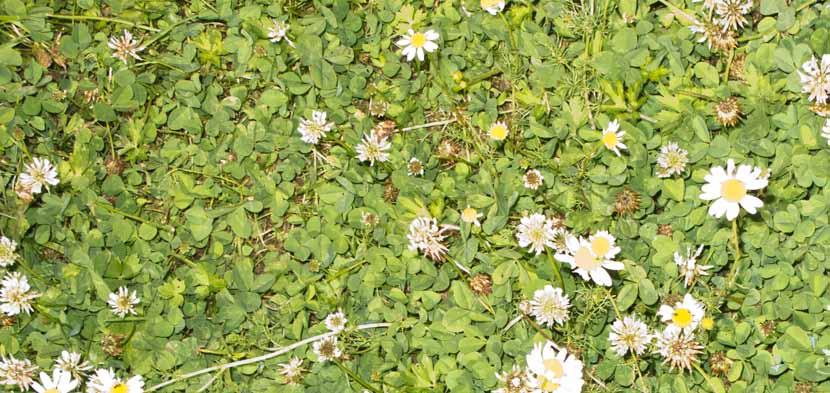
(516, 380)
(415, 167)
(612, 137)
(629, 335)
(672, 160)
(123, 302)
(728, 188)
(535, 232)
(327, 349)
(373, 148)
(815, 79)
(105, 381)
(292, 371)
(825, 131)
(685, 314)
(125, 47)
(550, 306)
(311, 130)
(40, 173)
(498, 131)
(471, 216)
(16, 295)
(71, 363)
(584, 261)
(279, 32)
(553, 369)
(7, 252)
(533, 179)
(493, 7)
(18, 372)
(678, 347)
(415, 44)
(731, 13)
(426, 236)
(336, 321)
(689, 267)
(60, 382)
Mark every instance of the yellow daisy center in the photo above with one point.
(498, 132)
(600, 245)
(469, 215)
(418, 40)
(52, 390)
(609, 139)
(554, 366)
(490, 3)
(733, 190)
(682, 317)
(584, 259)
(120, 388)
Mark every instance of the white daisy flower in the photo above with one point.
(471, 216)
(336, 321)
(678, 347)
(60, 382)
(105, 381)
(373, 148)
(493, 7)
(415, 167)
(40, 173)
(123, 302)
(515, 381)
(672, 160)
(825, 131)
(279, 32)
(603, 244)
(125, 47)
(554, 370)
(629, 334)
(415, 44)
(498, 131)
(533, 179)
(311, 130)
(728, 188)
(18, 372)
(7, 251)
(815, 79)
(590, 266)
(327, 349)
(550, 306)
(731, 13)
(16, 295)
(689, 268)
(292, 371)
(535, 232)
(612, 137)
(684, 315)
(71, 363)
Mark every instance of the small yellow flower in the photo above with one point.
(707, 323)
(498, 131)
(457, 76)
(471, 216)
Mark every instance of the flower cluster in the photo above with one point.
(427, 236)
(68, 374)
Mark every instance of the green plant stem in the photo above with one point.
(678, 11)
(805, 5)
(728, 66)
(704, 375)
(556, 269)
(736, 264)
(103, 19)
(113, 210)
(351, 374)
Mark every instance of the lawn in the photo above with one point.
(408, 196)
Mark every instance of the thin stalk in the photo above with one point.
(556, 269)
(353, 376)
(736, 264)
(432, 124)
(103, 19)
(260, 358)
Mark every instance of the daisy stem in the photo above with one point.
(556, 269)
(351, 374)
(103, 19)
(735, 265)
